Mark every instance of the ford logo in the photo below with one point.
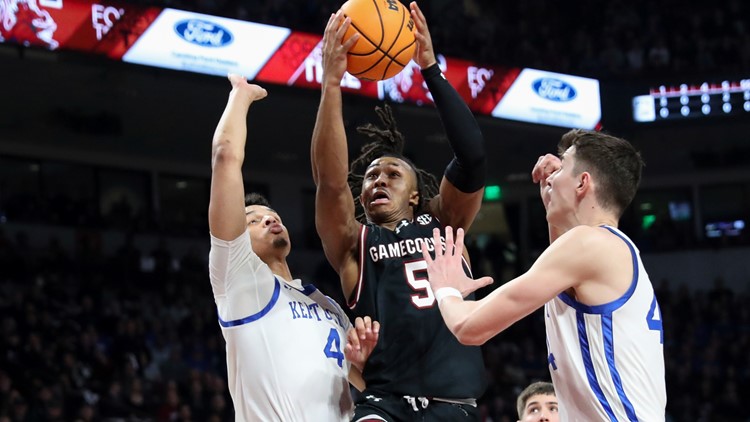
(203, 33)
(554, 89)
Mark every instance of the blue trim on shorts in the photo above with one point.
(609, 352)
(583, 340)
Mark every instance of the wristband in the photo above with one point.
(432, 71)
(444, 292)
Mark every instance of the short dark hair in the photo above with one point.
(613, 161)
(539, 387)
(254, 198)
(387, 142)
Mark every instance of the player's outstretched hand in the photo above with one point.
(240, 84)
(335, 48)
(543, 169)
(424, 54)
(361, 340)
(446, 269)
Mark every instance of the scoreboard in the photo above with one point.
(690, 101)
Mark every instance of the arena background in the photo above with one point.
(106, 308)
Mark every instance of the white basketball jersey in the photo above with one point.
(285, 342)
(607, 361)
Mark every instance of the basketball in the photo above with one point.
(386, 42)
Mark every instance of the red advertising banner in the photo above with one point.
(105, 28)
(194, 42)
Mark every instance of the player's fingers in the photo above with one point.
(459, 242)
(417, 12)
(536, 172)
(367, 324)
(331, 26)
(353, 339)
(376, 327)
(437, 243)
(344, 25)
(449, 245)
(260, 92)
(485, 281)
(426, 253)
(420, 38)
(359, 325)
(350, 353)
(349, 43)
(476, 285)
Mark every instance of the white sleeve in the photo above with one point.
(240, 281)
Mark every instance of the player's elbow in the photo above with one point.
(223, 154)
(468, 334)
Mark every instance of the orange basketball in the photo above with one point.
(386, 42)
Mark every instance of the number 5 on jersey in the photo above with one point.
(420, 284)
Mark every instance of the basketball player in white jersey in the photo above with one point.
(604, 329)
(288, 357)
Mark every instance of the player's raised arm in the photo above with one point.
(334, 207)
(462, 187)
(226, 209)
(561, 266)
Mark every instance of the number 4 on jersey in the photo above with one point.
(653, 319)
(333, 347)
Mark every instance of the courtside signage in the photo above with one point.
(207, 44)
(552, 99)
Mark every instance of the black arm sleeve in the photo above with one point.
(467, 170)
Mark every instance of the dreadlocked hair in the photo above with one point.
(386, 141)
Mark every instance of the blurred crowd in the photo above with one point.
(598, 39)
(87, 337)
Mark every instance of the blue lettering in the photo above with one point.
(313, 309)
(295, 314)
(332, 349)
(653, 319)
(551, 361)
(303, 310)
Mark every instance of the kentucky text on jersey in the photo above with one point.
(310, 311)
(402, 248)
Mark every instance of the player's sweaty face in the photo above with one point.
(389, 189)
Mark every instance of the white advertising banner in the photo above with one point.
(206, 44)
(553, 99)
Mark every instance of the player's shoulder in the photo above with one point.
(591, 239)
(585, 233)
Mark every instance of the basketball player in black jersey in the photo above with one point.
(418, 371)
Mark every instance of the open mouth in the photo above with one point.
(379, 197)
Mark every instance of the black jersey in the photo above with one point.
(416, 354)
